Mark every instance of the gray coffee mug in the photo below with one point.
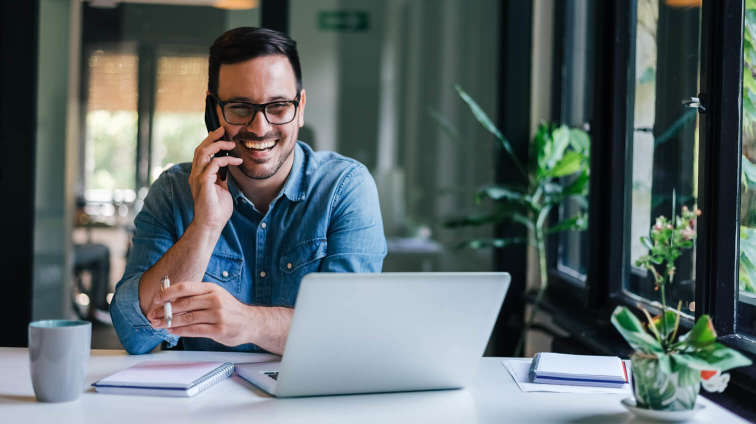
(58, 357)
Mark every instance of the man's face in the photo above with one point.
(264, 147)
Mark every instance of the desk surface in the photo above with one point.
(493, 398)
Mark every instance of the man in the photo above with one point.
(236, 249)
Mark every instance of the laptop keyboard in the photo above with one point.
(272, 374)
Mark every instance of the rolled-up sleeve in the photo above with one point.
(154, 235)
(356, 242)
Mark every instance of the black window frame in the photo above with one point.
(717, 246)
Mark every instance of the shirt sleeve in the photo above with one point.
(153, 237)
(356, 242)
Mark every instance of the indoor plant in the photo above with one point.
(667, 368)
(556, 169)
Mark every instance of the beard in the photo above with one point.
(261, 170)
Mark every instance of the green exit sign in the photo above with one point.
(343, 20)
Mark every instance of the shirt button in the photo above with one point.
(262, 274)
(224, 274)
(263, 225)
(289, 265)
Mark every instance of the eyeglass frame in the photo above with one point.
(257, 107)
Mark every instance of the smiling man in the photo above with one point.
(236, 248)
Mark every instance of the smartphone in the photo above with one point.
(212, 123)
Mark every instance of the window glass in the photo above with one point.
(747, 260)
(179, 124)
(576, 111)
(111, 121)
(664, 136)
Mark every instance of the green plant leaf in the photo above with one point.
(633, 332)
(579, 186)
(576, 223)
(670, 318)
(702, 334)
(472, 220)
(493, 242)
(749, 172)
(691, 361)
(580, 141)
(446, 125)
(747, 262)
(651, 325)
(719, 357)
(499, 192)
(560, 141)
(569, 164)
(503, 213)
(486, 122)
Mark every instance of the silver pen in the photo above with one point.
(167, 311)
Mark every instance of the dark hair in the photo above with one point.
(244, 43)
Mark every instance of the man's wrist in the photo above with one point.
(206, 235)
(252, 318)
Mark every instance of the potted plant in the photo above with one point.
(556, 170)
(668, 368)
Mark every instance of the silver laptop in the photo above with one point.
(369, 333)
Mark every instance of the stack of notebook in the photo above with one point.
(578, 370)
(161, 378)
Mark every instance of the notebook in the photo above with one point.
(578, 370)
(162, 378)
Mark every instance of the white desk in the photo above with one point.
(493, 398)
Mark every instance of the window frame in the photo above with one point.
(717, 245)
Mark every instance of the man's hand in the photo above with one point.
(213, 204)
(204, 310)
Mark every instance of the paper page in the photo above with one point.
(161, 374)
(564, 365)
(519, 369)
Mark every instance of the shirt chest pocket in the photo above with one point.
(225, 271)
(303, 259)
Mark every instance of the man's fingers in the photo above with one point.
(206, 152)
(211, 171)
(211, 138)
(198, 330)
(193, 303)
(211, 145)
(187, 318)
(180, 290)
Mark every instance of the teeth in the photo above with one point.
(259, 145)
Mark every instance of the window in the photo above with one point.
(573, 106)
(746, 320)
(179, 123)
(111, 121)
(665, 136)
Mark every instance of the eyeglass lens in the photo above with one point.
(276, 113)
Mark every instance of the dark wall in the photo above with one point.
(18, 113)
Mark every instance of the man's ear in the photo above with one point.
(302, 104)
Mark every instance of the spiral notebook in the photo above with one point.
(578, 370)
(162, 378)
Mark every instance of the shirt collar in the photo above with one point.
(295, 186)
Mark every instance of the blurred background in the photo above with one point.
(121, 98)
(111, 93)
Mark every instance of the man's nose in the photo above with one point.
(258, 125)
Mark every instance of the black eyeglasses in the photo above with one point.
(243, 113)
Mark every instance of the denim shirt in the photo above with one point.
(325, 219)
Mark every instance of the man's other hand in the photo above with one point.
(203, 310)
(213, 204)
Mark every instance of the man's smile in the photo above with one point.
(259, 145)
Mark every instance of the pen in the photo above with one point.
(167, 312)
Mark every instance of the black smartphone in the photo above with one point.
(212, 123)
